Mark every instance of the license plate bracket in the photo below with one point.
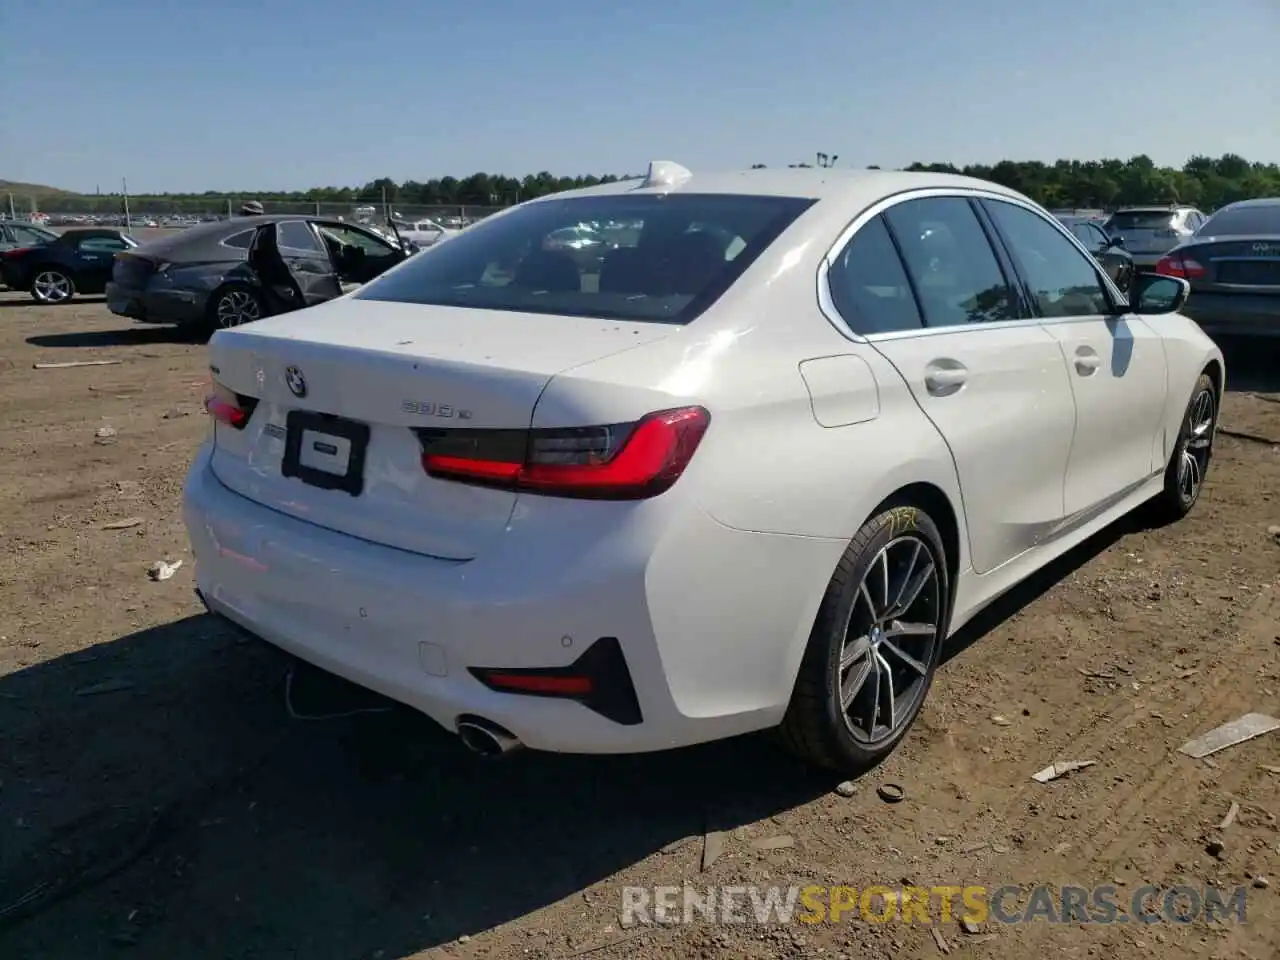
(325, 451)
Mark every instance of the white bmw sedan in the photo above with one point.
(748, 469)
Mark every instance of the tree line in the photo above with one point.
(1205, 182)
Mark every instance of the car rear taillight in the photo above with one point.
(227, 406)
(625, 461)
(1176, 266)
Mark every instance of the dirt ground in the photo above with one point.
(159, 800)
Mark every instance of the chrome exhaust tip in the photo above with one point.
(485, 737)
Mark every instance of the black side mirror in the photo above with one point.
(1152, 293)
(1115, 241)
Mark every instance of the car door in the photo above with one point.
(991, 381)
(1115, 359)
(1114, 261)
(362, 255)
(94, 257)
(307, 260)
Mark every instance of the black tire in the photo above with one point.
(42, 280)
(817, 726)
(1188, 467)
(232, 305)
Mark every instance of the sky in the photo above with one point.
(290, 94)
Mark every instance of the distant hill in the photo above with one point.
(32, 189)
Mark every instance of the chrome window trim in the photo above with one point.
(826, 302)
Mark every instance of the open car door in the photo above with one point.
(360, 255)
(293, 265)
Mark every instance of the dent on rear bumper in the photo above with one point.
(712, 620)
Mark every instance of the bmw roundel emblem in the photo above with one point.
(296, 381)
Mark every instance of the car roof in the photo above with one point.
(1254, 202)
(1155, 208)
(856, 187)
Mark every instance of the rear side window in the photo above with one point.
(622, 257)
(1140, 220)
(869, 286)
(240, 240)
(1243, 221)
(951, 263)
(296, 237)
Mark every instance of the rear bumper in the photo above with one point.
(157, 306)
(709, 655)
(1242, 314)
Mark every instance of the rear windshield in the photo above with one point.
(663, 258)
(1243, 221)
(1140, 220)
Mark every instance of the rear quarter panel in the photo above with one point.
(767, 464)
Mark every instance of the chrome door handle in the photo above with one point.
(1087, 363)
(945, 380)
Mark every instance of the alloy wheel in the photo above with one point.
(50, 286)
(1194, 462)
(236, 307)
(890, 640)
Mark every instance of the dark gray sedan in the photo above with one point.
(1233, 266)
(235, 271)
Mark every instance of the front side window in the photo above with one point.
(1063, 282)
(661, 258)
(869, 286)
(350, 237)
(1098, 240)
(955, 272)
(102, 245)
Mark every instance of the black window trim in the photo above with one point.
(1115, 303)
(823, 287)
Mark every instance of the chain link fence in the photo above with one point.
(184, 211)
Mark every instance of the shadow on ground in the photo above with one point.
(7, 304)
(123, 337)
(1253, 364)
(158, 796)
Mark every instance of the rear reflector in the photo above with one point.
(1176, 266)
(599, 680)
(627, 461)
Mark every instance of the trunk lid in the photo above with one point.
(132, 270)
(327, 383)
(1234, 265)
